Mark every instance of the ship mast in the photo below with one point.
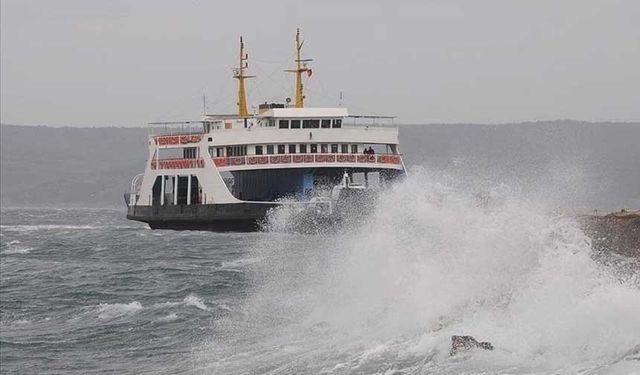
(238, 74)
(301, 67)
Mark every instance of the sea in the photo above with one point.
(85, 291)
(480, 239)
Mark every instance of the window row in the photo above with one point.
(310, 124)
(304, 148)
(230, 151)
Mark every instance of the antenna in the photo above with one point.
(340, 101)
(238, 73)
(301, 67)
(204, 104)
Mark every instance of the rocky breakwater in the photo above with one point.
(616, 232)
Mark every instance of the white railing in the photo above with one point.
(136, 183)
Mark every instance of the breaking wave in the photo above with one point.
(31, 228)
(115, 310)
(433, 259)
(195, 301)
(14, 247)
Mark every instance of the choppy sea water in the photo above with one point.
(86, 291)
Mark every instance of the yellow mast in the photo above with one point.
(239, 75)
(301, 67)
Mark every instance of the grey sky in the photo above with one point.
(79, 62)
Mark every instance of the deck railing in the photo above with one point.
(231, 161)
(178, 139)
(307, 158)
(177, 163)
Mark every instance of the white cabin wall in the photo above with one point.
(214, 189)
(149, 177)
(279, 136)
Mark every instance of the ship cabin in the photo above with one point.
(282, 152)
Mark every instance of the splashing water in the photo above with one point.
(430, 262)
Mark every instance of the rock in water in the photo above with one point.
(465, 343)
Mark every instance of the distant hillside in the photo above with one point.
(581, 164)
(68, 166)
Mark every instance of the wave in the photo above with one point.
(116, 310)
(433, 260)
(239, 263)
(195, 301)
(14, 247)
(39, 227)
(31, 228)
(168, 318)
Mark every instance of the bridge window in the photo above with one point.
(292, 149)
(303, 148)
(310, 124)
(354, 149)
(219, 151)
(283, 124)
(269, 149)
(326, 124)
(334, 148)
(295, 124)
(344, 148)
(337, 123)
(324, 148)
(314, 148)
(280, 149)
(258, 150)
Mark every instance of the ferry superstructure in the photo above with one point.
(226, 171)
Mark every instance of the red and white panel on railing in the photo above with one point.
(306, 158)
(169, 140)
(177, 164)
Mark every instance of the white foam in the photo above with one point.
(239, 263)
(432, 262)
(18, 250)
(31, 228)
(168, 318)
(115, 310)
(14, 247)
(195, 301)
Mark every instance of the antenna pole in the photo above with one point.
(301, 67)
(239, 75)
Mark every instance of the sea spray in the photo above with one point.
(432, 260)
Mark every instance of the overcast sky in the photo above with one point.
(80, 62)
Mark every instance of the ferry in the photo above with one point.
(227, 172)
